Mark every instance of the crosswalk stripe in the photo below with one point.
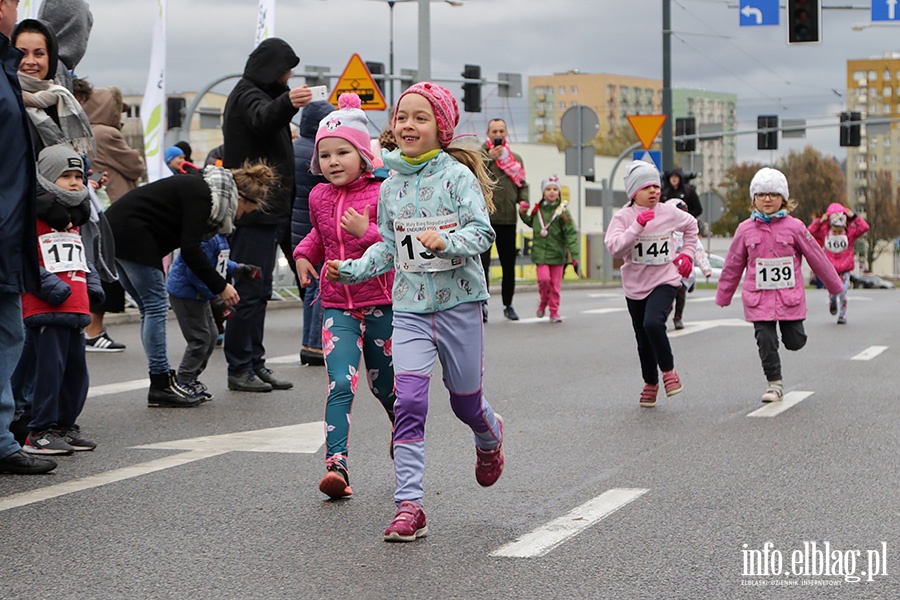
(870, 353)
(776, 408)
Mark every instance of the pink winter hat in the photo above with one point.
(837, 215)
(446, 111)
(349, 123)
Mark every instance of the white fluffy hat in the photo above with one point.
(769, 181)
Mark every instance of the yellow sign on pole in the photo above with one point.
(647, 127)
(357, 79)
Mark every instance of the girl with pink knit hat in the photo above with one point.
(433, 216)
(357, 319)
(836, 231)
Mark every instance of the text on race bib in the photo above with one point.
(653, 249)
(62, 251)
(412, 255)
(775, 273)
(222, 262)
(836, 243)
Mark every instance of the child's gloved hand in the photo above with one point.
(685, 265)
(645, 217)
(251, 271)
(523, 207)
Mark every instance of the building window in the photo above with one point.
(886, 92)
(886, 76)
(873, 75)
(562, 90)
(562, 106)
(574, 89)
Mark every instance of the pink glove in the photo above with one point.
(645, 217)
(523, 206)
(684, 263)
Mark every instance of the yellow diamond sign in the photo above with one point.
(357, 79)
(647, 127)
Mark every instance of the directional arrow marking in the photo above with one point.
(891, 4)
(749, 10)
(304, 438)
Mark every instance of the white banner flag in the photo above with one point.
(29, 9)
(265, 21)
(153, 106)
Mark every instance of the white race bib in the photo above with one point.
(415, 257)
(222, 262)
(62, 251)
(653, 249)
(836, 243)
(774, 273)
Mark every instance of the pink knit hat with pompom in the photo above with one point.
(349, 123)
(446, 111)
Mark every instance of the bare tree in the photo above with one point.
(815, 181)
(883, 215)
(735, 192)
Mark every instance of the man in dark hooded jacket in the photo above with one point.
(676, 187)
(257, 121)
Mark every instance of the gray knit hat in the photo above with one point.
(56, 160)
(638, 175)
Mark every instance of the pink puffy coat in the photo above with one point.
(328, 241)
(844, 260)
(785, 237)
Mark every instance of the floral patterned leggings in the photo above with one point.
(347, 335)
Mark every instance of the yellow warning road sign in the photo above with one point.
(647, 127)
(357, 79)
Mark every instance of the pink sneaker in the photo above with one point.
(335, 484)
(672, 383)
(408, 524)
(648, 395)
(489, 463)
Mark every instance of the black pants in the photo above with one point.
(648, 318)
(254, 245)
(61, 377)
(506, 252)
(793, 336)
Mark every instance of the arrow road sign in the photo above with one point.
(755, 13)
(885, 10)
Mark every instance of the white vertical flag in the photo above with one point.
(153, 106)
(265, 21)
(29, 9)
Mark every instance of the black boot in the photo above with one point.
(166, 393)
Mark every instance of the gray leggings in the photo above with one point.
(199, 329)
(792, 335)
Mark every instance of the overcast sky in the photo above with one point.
(209, 39)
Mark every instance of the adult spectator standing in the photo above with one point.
(256, 125)
(124, 167)
(508, 170)
(301, 225)
(19, 270)
(676, 187)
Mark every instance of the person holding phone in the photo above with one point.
(511, 189)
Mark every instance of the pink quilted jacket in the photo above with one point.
(328, 241)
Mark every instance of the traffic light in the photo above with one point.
(377, 68)
(804, 21)
(175, 107)
(472, 91)
(850, 129)
(767, 140)
(685, 126)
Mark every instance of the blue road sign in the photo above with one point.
(885, 10)
(755, 13)
(654, 156)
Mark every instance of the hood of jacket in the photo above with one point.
(311, 116)
(105, 107)
(72, 21)
(269, 61)
(52, 44)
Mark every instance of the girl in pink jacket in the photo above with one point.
(358, 318)
(769, 247)
(836, 231)
(642, 234)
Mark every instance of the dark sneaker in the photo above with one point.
(489, 463)
(648, 395)
(73, 437)
(268, 375)
(248, 382)
(197, 389)
(102, 343)
(335, 484)
(20, 463)
(47, 442)
(842, 320)
(832, 305)
(166, 392)
(408, 524)
(510, 313)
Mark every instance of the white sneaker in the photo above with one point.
(774, 392)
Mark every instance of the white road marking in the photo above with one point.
(605, 295)
(776, 408)
(304, 438)
(602, 311)
(117, 388)
(284, 360)
(697, 326)
(870, 353)
(544, 539)
(702, 299)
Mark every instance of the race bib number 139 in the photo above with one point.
(774, 273)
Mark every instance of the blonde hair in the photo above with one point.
(254, 181)
(474, 160)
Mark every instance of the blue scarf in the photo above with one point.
(758, 215)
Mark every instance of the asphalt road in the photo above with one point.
(700, 497)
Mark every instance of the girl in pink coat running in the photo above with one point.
(769, 247)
